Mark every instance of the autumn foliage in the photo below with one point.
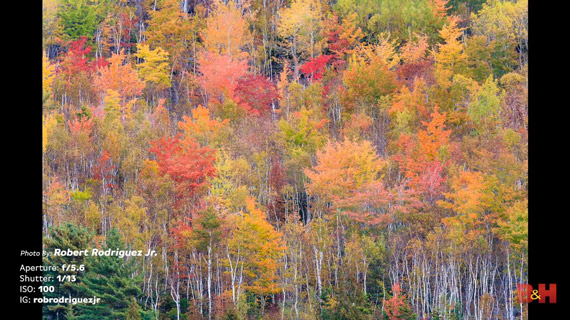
(298, 159)
(185, 162)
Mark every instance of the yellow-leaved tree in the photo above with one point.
(301, 25)
(48, 74)
(155, 68)
(226, 31)
(254, 248)
(451, 55)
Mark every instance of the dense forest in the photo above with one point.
(301, 159)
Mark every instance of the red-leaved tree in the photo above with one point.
(187, 163)
(255, 94)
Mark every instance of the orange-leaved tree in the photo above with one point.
(119, 76)
(348, 175)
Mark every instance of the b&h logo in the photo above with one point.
(526, 294)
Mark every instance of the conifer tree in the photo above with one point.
(64, 237)
(114, 280)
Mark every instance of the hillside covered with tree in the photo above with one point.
(296, 159)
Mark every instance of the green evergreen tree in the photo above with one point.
(112, 279)
(64, 237)
(78, 19)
